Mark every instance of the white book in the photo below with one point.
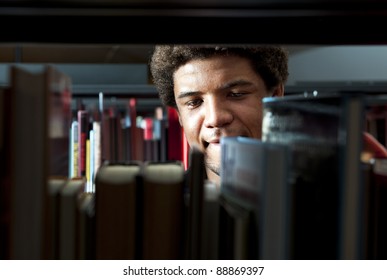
(73, 149)
(90, 169)
(97, 152)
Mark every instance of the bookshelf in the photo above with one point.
(110, 22)
(80, 21)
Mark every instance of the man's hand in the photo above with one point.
(372, 148)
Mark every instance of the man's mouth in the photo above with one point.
(212, 142)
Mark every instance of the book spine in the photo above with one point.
(132, 108)
(310, 127)
(89, 160)
(378, 210)
(116, 215)
(163, 230)
(96, 151)
(74, 153)
(83, 129)
(149, 153)
(196, 189)
(174, 136)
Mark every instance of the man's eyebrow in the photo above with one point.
(228, 85)
(187, 94)
(236, 83)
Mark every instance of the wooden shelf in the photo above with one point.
(234, 22)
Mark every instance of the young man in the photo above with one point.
(218, 91)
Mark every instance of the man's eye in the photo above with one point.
(193, 103)
(236, 94)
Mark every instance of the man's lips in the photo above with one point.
(212, 142)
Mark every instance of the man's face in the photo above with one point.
(218, 97)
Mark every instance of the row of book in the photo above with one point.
(287, 196)
(36, 110)
(135, 213)
(37, 132)
(139, 210)
(117, 135)
(114, 136)
(155, 210)
(308, 190)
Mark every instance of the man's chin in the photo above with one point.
(214, 168)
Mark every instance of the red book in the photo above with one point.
(186, 150)
(149, 152)
(134, 131)
(175, 136)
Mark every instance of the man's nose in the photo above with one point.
(217, 113)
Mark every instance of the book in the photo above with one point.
(186, 149)
(106, 151)
(209, 245)
(38, 148)
(69, 218)
(138, 135)
(195, 183)
(255, 200)
(127, 134)
(51, 237)
(149, 143)
(3, 98)
(4, 173)
(310, 127)
(86, 226)
(89, 158)
(175, 135)
(83, 132)
(116, 211)
(135, 132)
(162, 210)
(274, 241)
(96, 150)
(324, 134)
(74, 154)
(378, 210)
(201, 211)
(369, 213)
(161, 133)
(58, 88)
(374, 154)
(238, 232)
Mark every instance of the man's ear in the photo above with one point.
(279, 91)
